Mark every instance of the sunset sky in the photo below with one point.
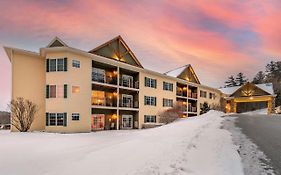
(218, 38)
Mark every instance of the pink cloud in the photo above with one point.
(160, 33)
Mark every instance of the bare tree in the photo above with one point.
(171, 114)
(22, 112)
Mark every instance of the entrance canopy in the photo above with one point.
(249, 97)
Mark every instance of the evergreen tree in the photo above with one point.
(230, 82)
(259, 78)
(240, 79)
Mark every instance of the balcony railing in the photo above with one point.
(125, 104)
(192, 109)
(192, 95)
(104, 79)
(182, 93)
(183, 108)
(104, 101)
(129, 85)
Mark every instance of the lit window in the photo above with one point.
(76, 63)
(75, 89)
(75, 116)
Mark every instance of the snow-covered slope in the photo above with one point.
(189, 146)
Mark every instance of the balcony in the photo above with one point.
(104, 79)
(192, 95)
(183, 108)
(128, 104)
(192, 109)
(106, 101)
(128, 84)
(181, 93)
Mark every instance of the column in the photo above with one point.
(117, 120)
(234, 107)
(269, 106)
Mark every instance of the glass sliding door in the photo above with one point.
(127, 121)
(98, 121)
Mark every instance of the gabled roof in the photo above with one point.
(56, 42)
(266, 87)
(9, 51)
(178, 72)
(117, 49)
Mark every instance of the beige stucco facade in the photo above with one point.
(30, 78)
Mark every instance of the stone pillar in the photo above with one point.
(269, 106)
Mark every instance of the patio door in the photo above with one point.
(127, 121)
(127, 101)
(127, 81)
(98, 122)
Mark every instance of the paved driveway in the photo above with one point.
(265, 132)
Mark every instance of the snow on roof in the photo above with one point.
(267, 87)
(229, 90)
(176, 72)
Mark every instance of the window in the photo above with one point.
(76, 63)
(53, 119)
(56, 119)
(53, 91)
(75, 116)
(75, 89)
(60, 120)
(149, 118)
(149, 100)
(60, 65)
(212, 95)
(56, 91)
(127, 81)
(203, 94)
(167, 86)
(98, 75)
(167, 102)
(53, 65)
(149, 82)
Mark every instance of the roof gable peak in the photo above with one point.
(57, 42)
(117, 49)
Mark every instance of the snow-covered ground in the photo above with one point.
(259, 111)
(189, 146)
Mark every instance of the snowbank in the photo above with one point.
(189, 146)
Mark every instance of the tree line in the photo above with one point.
(272, 74)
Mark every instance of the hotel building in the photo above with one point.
(101, 89)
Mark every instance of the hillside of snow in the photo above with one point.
(194, 146)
